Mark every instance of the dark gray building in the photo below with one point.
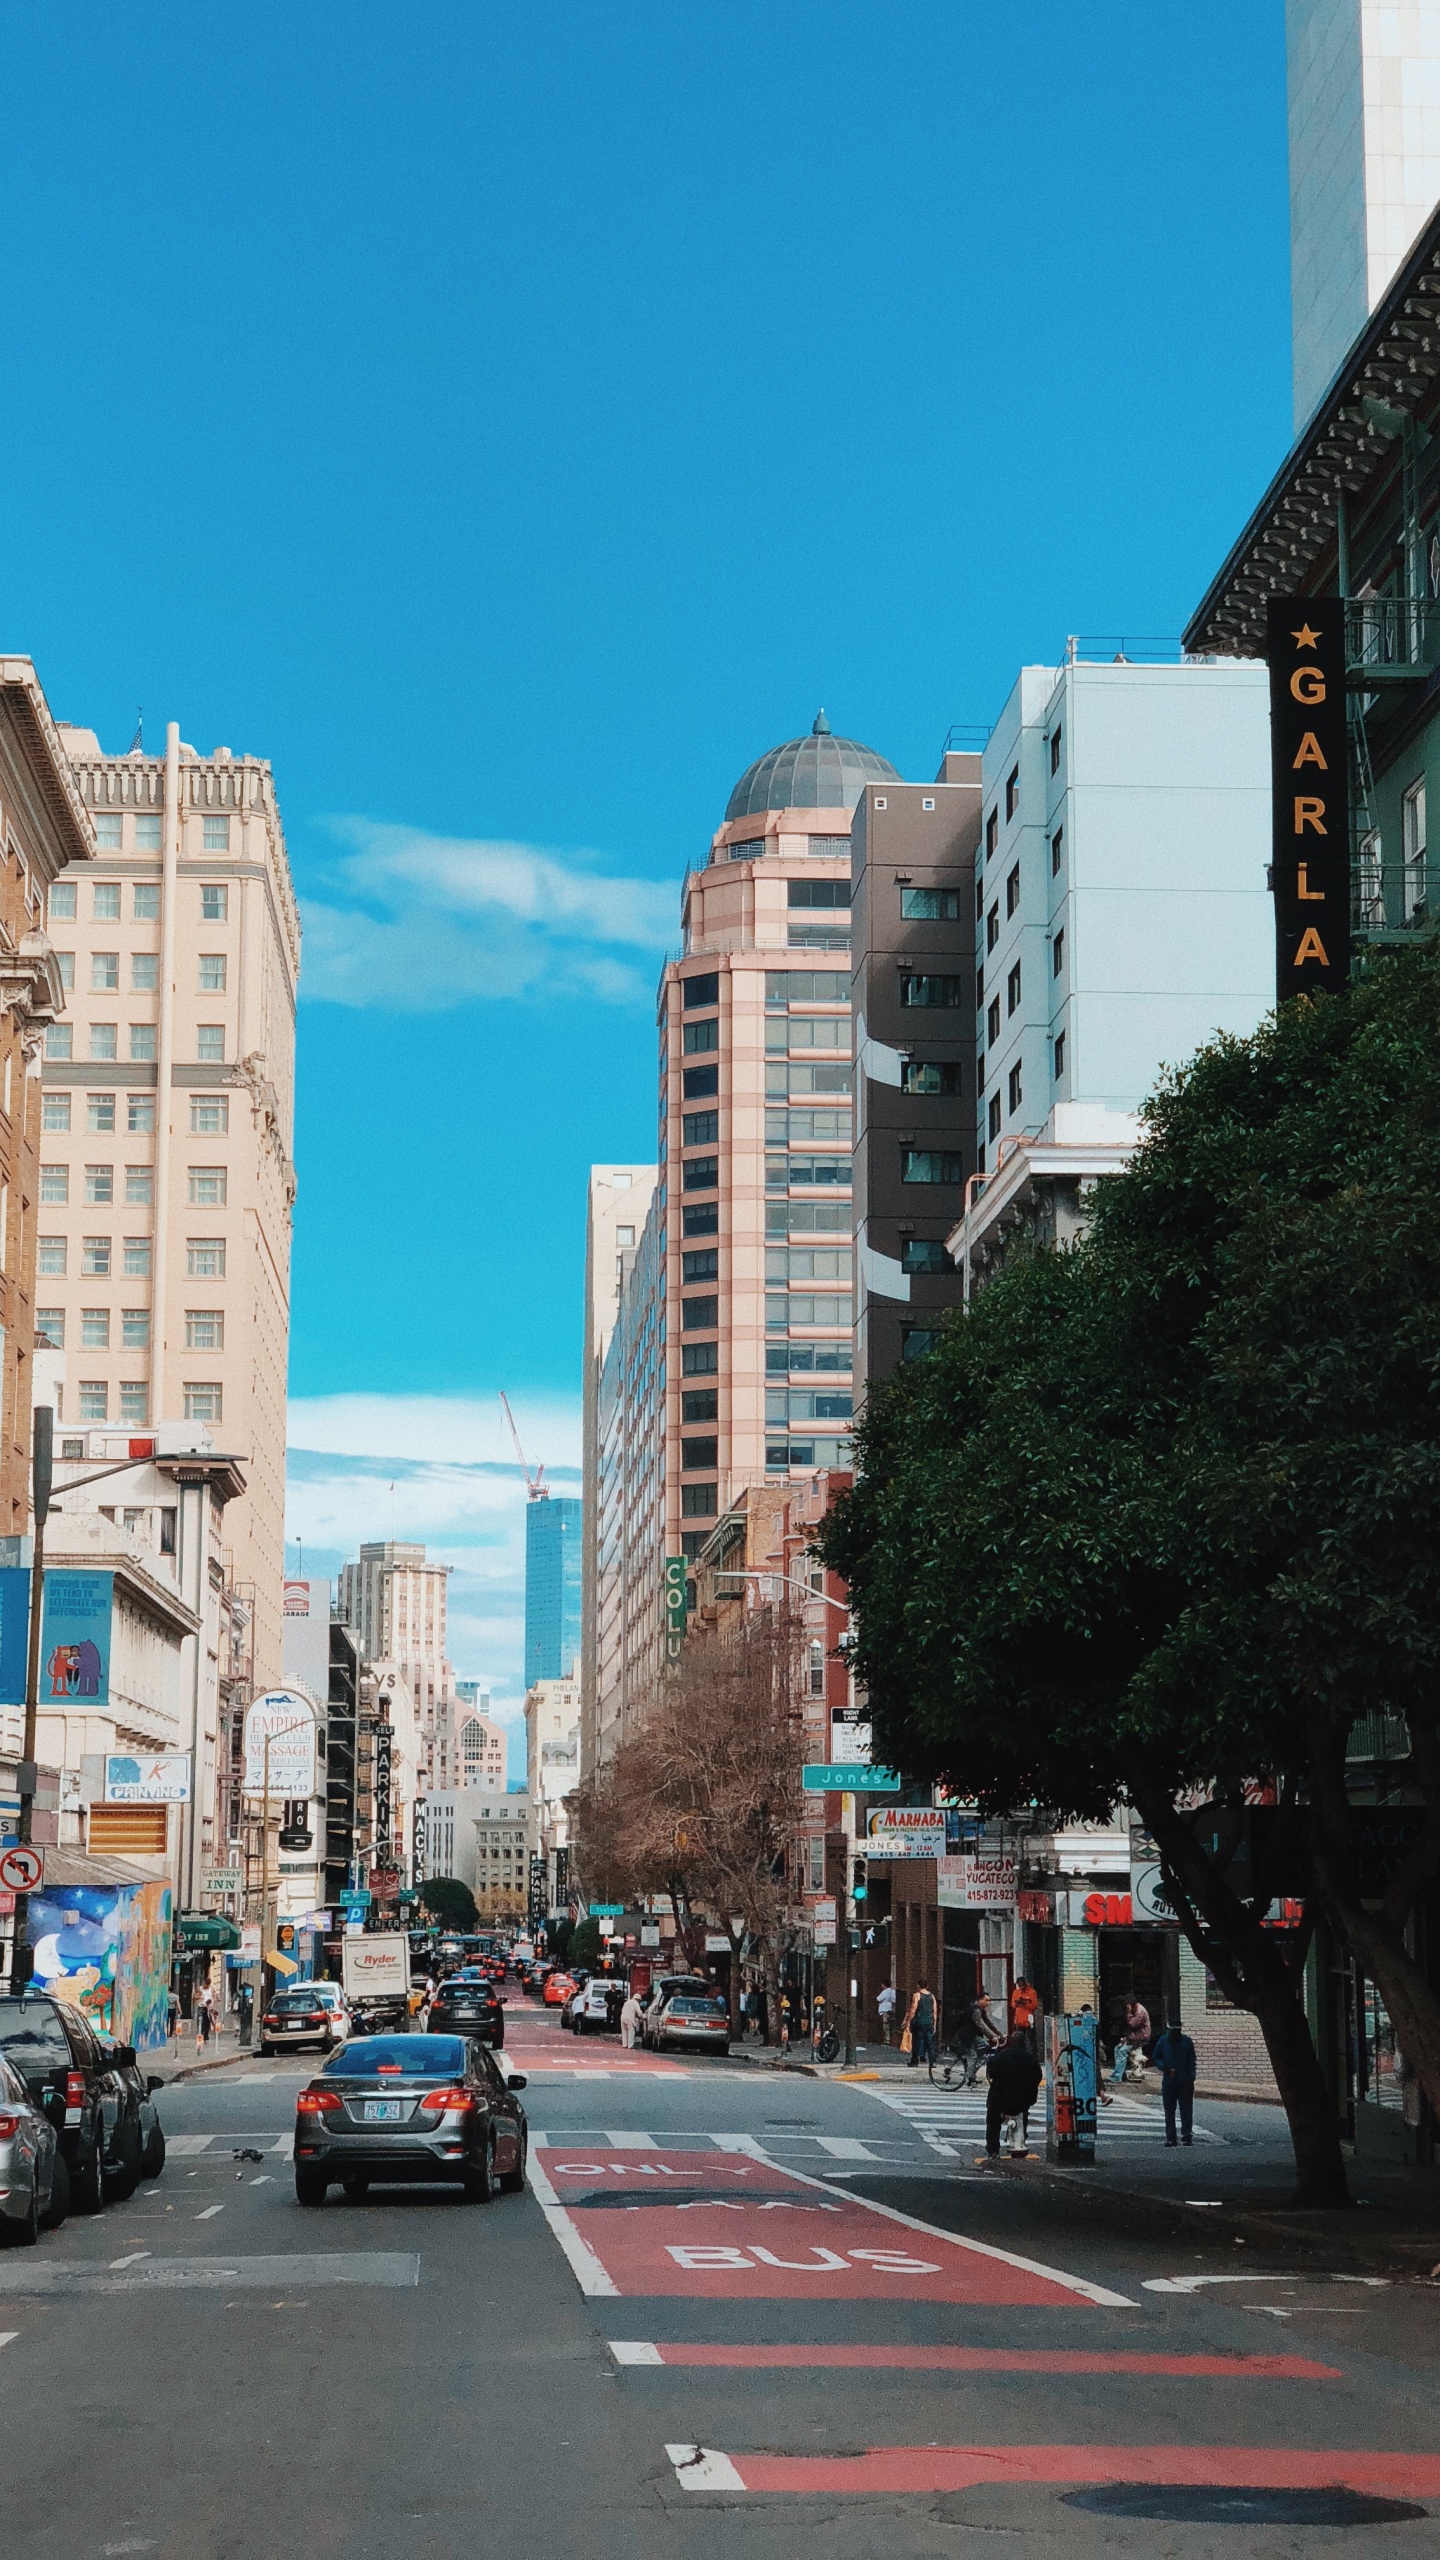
(913, 942)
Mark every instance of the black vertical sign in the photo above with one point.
(1310, 820)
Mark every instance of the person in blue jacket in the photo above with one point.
(1173, 2054)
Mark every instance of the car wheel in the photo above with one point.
(122, 2180)
(498, 2040)
(311, 2186)
(357, 2189)
(266, 2050)
(153, 2160)
(87, 2184)
(59, 2204)
(513, 2180)
(480, 2178)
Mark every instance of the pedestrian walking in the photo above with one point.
(1174, 2056)
(204, 2017)
(1014, 2076)
(629, 2020)
(920, 2024)
(1134, 2039)
(787, 2019)
(172, 2013)
(885, 2008)
(1024, 2006)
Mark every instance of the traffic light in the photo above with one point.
(859, 1888)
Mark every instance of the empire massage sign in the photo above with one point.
(1311, 801)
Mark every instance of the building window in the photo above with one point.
(696, 1082)
(930, 906)
(698, 1360)
(701, 1129)
(139, 1186)
(700, 1173)
(940, 993)
(924, 1255)
(94, 1328)
(992, 1021)
(142, 1042)
(95, 1257)
(50, 1327)
(699, 1036)
(930, 1164)
(817, 1670)
(1057, 851)
(61, 902)
(700, 1266)
(625, 1238)
(1370, 884)
(144, 973)
(212, 973)
(209, 1114)
(1057, 961)
(1012, 889)
(104, 972)
(1012, 989)
(59, 1040)
(697, 1501)
(106, 909)
(136, 1263)
(99, 1185)
(134, 1402)
(203, 1403)
(145, 907)
(215, 836)
(55, 1111)
(50, 1257)
(94, 1400)
(1412, 838)
(204, 1329)
(700, 1221)
(992, 927)
(699, 1315)
(210, 1043)
(140, 1113)
(702, 1404)
(992, 832)
(207, 1186)
(205, 1257)
(701, 991)
(817, 893)
(100, 1111)
(994, 1121)
(65, 963)
(102, 1040)
(1059, 1055)
(135, 1329)
(1015, 1089)
(1012, 792)
(55, 1184)
(699, 1453)
(917, 1341)
(214, 896)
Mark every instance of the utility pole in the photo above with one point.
(42, 1452)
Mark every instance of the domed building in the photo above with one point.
(820, 771)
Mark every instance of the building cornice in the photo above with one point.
(29, 717)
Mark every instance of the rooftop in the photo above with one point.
(820, 771)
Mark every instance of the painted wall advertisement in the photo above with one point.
(106, 1949)
(74, 1637)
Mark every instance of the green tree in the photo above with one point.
(1160, 1518)
(586, 1945)
(451, 1902)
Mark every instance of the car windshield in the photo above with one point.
(696, 2008)
(296, 2000)
(424, 2057)
(32, 2035)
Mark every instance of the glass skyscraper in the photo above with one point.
(552, 1587)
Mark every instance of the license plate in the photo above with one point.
(385, 2110)
(291, 2029)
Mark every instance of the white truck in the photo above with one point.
(376, 1969)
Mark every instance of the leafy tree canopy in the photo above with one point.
(451, 1902)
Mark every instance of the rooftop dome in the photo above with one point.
(818, 772)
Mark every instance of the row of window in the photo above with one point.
(1012, 802)
(204, 1257)
(204, 1401)
(145, 894)
(204, 1328)
(807, 1404)
(144, 972)
(785, 1173)
(104, 1042)
(209, 1113)
(808, 1357)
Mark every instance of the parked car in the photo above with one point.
(693, 2018)
(34, 2186)
(661, 1986)
(468, 2007)
(595, 2009)
(152, 2136)
(82, 2091)
(415, 2108)
(301, 2014)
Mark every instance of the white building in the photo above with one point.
(552, 1760)
(1364, 117)
(485, 1842)
(619, 1200)
(481, 1749)
(396, 1603)
(1123, 918)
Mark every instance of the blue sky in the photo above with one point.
(511, 420)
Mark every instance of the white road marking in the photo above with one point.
(132, 2261)
(187, 2146)
(635, 2141)
(7, 2336)
(1192, 2284)
(696, 2467)
(209, 2213)
(844, 2147)
(262, 2182)
(589, 2273)
(933, 2109)
(634, 2351)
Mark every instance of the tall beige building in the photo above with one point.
(166, 1178)
(396, 1604)
(620, 1196)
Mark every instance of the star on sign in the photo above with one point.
(1305, 638)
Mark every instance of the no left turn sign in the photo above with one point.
(21, 1868)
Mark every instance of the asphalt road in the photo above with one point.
(735, 2306)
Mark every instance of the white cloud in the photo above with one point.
(423, 923)
(470, 1430)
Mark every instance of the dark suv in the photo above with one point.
(89, 2095)
(468, 2006)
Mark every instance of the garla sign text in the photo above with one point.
(1310, 813)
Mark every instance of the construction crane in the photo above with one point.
(535, 1489)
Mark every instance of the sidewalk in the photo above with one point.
(181, 2061)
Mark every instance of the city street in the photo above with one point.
(734, 2303)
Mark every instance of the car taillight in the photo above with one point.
(74, 2088)
(8, 2125)
(318, 2102)
(446, 2102)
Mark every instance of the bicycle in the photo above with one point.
(967, 2054)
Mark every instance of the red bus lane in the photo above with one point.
(725, 2227)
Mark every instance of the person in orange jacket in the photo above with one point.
(1024, 2007)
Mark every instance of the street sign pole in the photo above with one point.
(42, 1444)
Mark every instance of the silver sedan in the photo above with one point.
(34, 2186)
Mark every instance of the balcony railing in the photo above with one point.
(1391, 639)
